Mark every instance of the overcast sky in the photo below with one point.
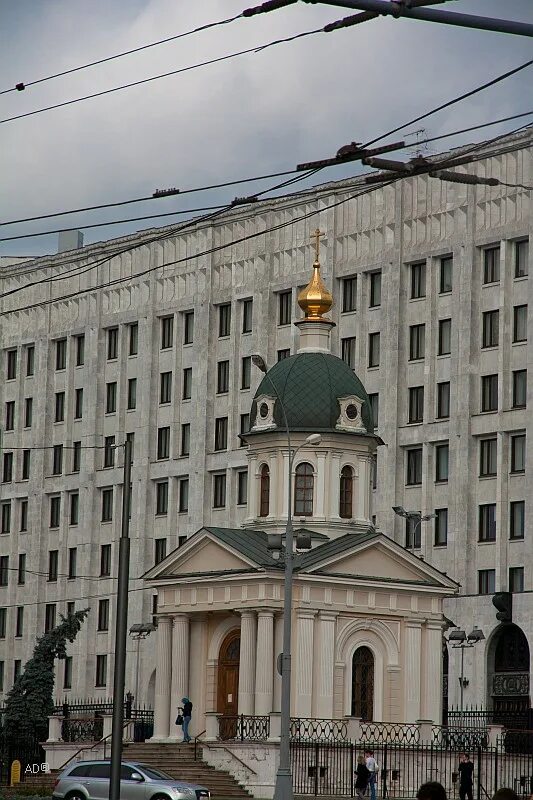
(254, 114)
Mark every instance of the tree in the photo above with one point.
(29, 703)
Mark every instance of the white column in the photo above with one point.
(285, 485)
(180, 669)
(253, 485)
(273, 503)
(198, 643)
(247, 663)
(413, 651)
(162, 678)
(433, 672)
(320, 486)
(304, 663)
(264, 672)
(334, 487)
(325, 656)
(278, 648)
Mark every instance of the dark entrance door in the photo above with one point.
(363, 684)
(228, 684)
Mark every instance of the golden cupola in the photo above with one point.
(315, 300)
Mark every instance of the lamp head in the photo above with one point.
(476, 635)
(259, 362)
(314, 439)
(458, 636)
(400, 511)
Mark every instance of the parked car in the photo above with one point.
(89, 780)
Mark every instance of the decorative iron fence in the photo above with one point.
(82, 729)
(514, 718)
(390, 732)
(467, 739)
(318, 730)
(244, 728)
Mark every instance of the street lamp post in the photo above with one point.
(138, 632)
(413, 516)
(459, 639)
(283, 789)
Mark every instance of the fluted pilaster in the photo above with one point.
(264, 672)
(163, 678)
(180, 667)
(325, 665)
(433, 672)
(247, 663)
(413, 651)
(304, 663)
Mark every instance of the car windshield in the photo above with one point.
(155, 774)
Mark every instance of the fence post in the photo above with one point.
(479, 773)
(65, 709)
(242, 727)
(495, 787)
(351, 769)
(384, 772)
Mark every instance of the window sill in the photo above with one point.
(445, 292)
(444, 355)
(516, 538)
(518, 408)
(246, 333)
(415, 299)
(491, 283)
(486, 541)
(441, 481)
(132, 355)
(521, 277)
(442, 419)
(486, 411)
(417, 360)
(410, 485)
(134, 408)
(372, 366)
(518, 472)
(185, 399)
(415, 422)
(488, 477)
(440, 546)
(519, 341)
(489, 347)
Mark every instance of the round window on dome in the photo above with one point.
(351, 411)
(263, 410)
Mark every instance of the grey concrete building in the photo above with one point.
(150, 336)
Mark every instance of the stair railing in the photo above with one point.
(196, 740)
(101, 741)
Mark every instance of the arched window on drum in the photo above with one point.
(303, 490)
(264, 492)
(346, 493)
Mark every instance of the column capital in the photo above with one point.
(327, 616)
(181, 615)
(164, 619)
(266, 612)
(413, 622)
(246, 612)
(305, 613)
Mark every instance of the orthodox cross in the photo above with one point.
(316, 236)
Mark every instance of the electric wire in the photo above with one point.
(24, 85)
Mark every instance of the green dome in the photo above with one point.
(309, 385)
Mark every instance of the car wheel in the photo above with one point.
(160, 797)
(75, 796)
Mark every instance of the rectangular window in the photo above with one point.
(76, 456)
(443, 400)
(516, 519)
(80, 349)
(7, 473)
(417, 342)
(109, 452)
(74, 508)
(23, 507)
(103, 615)
(519, 388)
(161, 497)
(518, 453)
(132, 393)
(57, 459)
(67, 672)
(55, 511)
(222, 377)
(78, 404)
(284, 353)
(185, 439)
(416, 404)
(247, 315)
(413, 534)
(349, 294)
(418, 280)
(489, 393)
(59, 407)
(165, 388)
(10, 415)
(516, 579)
(167, 332)
(224, 320)
(107, 505)
(221, 433)
(491, 264)
(101, 671)
(246, 372)
(26, 459)
(414, 466)
(520, 323)
(111, 397)
(188, 327)
(244, 427)
(130, 437)
(72, 559)
(53, 560)
(30, 360)
(491, 325)
(219, 491)
(163, 442)
(6, 517)
(133, 339)
(3, 619)
(21, 580)
(375, 289)
(487, 522)
(488, 462)
(187, 383)
(4, 570)
(521, 258)
(373, 350)
(11, 371)
(486, 581)
(105, 560)
(285, 307)
(160, 550)
(348, 351)
(19, 623)
(442, 458)
(242, 488)
(446, 274)
(17, 669)
(2, 675)
(445, 337)
(183, 499)
(61, 354)
(374, 405)
(112, 344)
(28, 412)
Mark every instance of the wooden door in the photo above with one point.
(228, 685)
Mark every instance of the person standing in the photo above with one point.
(362, 776)
(466, 772)
(186, 713)
(372, 768)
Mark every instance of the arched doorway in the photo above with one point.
(228, 674)
(363, 684)
(508, 675)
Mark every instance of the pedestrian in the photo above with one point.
(372, 768)
(505, 794)
(184, 717)
(362, 775)
(432, 790)
(466, 771)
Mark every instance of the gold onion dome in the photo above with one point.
(315, 300)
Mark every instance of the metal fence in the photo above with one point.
(244, 728)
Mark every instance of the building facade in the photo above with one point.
(432, 285)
